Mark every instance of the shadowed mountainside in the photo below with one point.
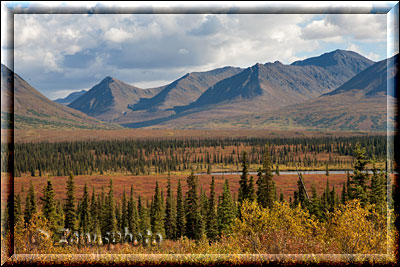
(110, 99)
(70, 98)
(359, 104)
(34, 110)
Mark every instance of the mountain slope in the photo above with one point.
(273, 85)
(342, 64)
(359, 104)
(373, 80)
(34, 110)
(70, 98)
(110, 99)
(185, 90)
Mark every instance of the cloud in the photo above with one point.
(335, 27)
(72, 51)
(371, 55)
(117, 35)
(209, 26)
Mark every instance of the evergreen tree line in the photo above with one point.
(194, 215)
(161, 156)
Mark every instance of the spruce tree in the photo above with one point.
(49, 206)
(118, 217)
(17, 209)
(94, 215)
(84, 212)
(203, 210)
(180, 212)
(252, 196)
(69, 207)
(332, 199)
(344, 194)
(226, 210)
(301, 193)
(378, 194)
(315, 204)
(243, 183)
(327, 170)
(30, 204)
(358, 181)
(124, 213)
(212, 221)
(277, 170)
(170, 213)
(266, 193)
(326, 197)
(110, 218)
(157, 214)
(144, 217)
(132, 214)
(194, 219)
(281, 197)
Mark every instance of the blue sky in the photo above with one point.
(62, 53)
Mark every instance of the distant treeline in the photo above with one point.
(160, 156)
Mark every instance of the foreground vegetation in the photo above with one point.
(258, 221)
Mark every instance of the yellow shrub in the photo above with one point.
(357, 230)
(277, 230)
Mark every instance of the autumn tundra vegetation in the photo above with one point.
(354, 220)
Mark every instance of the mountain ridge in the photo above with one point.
(349, 107)
(70, 98)
(277, 85)
(109, 98)
(32, 109)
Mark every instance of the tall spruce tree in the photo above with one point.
(226, 210)
(17, 209)
(30, 204)
(70, 220)
(325, 198)
(301, 193)
(157, 214)
(133, 220)
(315, 204)
(124, 213)
(203, 210)
(194, 219)
(243, 182)
(50, 206)
(144, 217)
(266, 193)
(252, 196)
(180, 212)
(378, 190)
(85, 219)
(110, 216)
(344, 194)
(170, 213)
(212, 221)
(94, 214)
(358, 181)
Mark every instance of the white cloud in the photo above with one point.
(334, 27)
(371, 55)
(67, 51)
(117, 35)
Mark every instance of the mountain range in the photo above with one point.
(33, 110)
(337, 90)
(70, 98)
(359, 104)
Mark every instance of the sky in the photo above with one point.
(62, 53)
